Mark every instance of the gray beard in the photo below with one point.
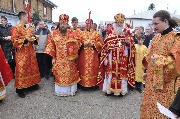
(118, 30)
(148, 34)
(63, 31)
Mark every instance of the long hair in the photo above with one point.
(163, 14)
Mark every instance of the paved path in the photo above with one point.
(43, 104)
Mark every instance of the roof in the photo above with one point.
(50, 3)
(8, 12)
(148, 15)
(144, 15)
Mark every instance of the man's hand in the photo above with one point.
(37, 37)
(53, 61)
(127, 40)
(144, 76)
(153, 57)
(86, 43)
(143, 68)
(31, 39)
(7, 38)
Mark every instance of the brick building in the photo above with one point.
(10, 9)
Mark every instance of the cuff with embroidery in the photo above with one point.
(160, 60)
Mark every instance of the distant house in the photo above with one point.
(141, 19)
(145, 18)
(10, 9)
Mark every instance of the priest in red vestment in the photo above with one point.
(27, 74)
(88, 61)
(63, 45)
(117, 60)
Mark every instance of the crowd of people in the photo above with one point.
(114, 59)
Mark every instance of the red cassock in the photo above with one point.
(88, 61)
(5, 70)
(27, 71)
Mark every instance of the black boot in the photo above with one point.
(36, 87)
(139, 90)
(21, 93)
(33, 88)
(84, 88)
(108, 94)
(95, 87)
(79, 86)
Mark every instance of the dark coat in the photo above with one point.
(135, 40)
(7, 46)
(104, 32)
(147, 40)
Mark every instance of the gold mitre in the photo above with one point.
(119, 18)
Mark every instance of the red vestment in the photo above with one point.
(64, 49)
(6, 74)
(27, 71)
(123, 66)
(88, 61)
(163, 74)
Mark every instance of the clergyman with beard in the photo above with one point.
(63, 47)
(117, 60)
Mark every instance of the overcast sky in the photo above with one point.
(104, 10)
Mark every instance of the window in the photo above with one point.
(44, 10)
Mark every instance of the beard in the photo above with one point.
(118, 29)
(63, 31)
(147, 33)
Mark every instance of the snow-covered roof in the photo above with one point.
(148, 15)
(50, 3)
(144, 15)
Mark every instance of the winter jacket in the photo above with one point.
(6, 45)
(43, 35)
